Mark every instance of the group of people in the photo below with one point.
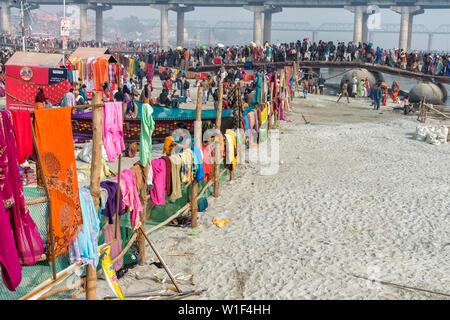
(301, 50)
(378, 93)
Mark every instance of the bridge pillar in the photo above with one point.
(257, 22)
(99, 8)
(360, 29)
(83, 21)
(406, 24)
(164, 8)
(430, 41)
(365, 29)
(267, 33)
(180, 23)
(358, 25)
(6, 16)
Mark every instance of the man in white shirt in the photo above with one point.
(69, 99)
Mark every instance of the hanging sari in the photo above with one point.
(28, 240)
(57, 153)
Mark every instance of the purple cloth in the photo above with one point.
(110, 206)
(29, 244)
(83, 115)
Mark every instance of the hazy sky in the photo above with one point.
(432, 19)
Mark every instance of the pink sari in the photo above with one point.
(28, 240)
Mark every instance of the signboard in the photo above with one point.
(56, 75)
(65, 26)
(64, 42)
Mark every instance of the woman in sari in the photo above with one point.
(395, 89)
(40, 99)
(359, 90)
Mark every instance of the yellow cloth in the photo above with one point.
(167, 149)
(131, 68)
(231, 146)
(142, 65)
(105, 172)
(264, 114)
(220, 223)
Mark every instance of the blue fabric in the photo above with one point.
(198, 161)
(247, 125)
(85, 247)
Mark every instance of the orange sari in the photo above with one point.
(55, 144)
(395, 90)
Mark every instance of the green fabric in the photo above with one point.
(258, 88)
(147, 127)
(359, 90)
(263, 131)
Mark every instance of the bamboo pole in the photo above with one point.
(198, 144)
(277, 113)
(96, 167)
(269, 112)
(50, 217)
(30, 202)
(218, 144)
(161, 260)
(48, 284)
(117, 221)
(141, 239)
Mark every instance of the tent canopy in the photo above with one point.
(35, 59)
(86, 53)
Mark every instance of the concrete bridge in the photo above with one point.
(261, 32)
(336, 65)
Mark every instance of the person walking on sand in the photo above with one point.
(378, 94)
(344, 92)
(305, 88)
(321, 84)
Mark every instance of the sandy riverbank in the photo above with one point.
(354, 196)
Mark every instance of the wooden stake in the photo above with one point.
(48, 284)
(50, 217)
(218, 144)
(198, 144)
(141, 239)
(117, 221)
(96, 167)
(161, 260)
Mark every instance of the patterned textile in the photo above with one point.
(55, 144)
(21, 94)
(235, 99)
(28, 241)
(187, 168)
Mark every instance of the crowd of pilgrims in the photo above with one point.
(420, 61)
